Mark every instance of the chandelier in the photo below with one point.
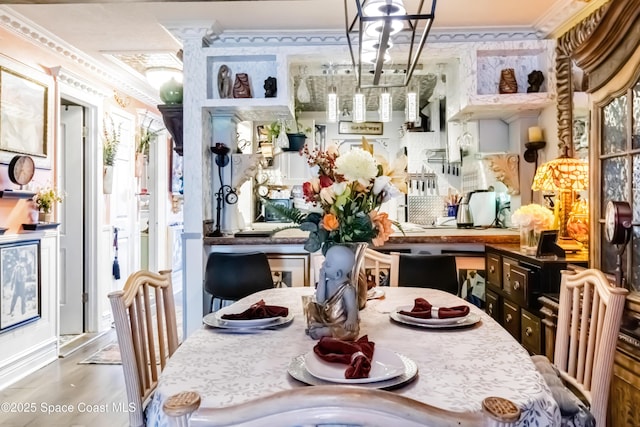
(374, 29)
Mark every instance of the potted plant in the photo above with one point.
(145, 136)
(44, 200)
(109, 151)
(298, 134)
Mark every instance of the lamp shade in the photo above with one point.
(562, 174)
(157, 76)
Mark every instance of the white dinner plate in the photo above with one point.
(242, 323)
(432, 321)
(298, 370)
(468, 320)
(211, 320)
(385, 365)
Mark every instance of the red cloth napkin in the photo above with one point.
(422, 309)
(259, 310)
(356, 354)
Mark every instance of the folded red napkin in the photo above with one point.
(259, 310)
(356, 354)
(423, 310)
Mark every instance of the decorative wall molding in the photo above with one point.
(79, 83)
(46, 40)
(557, 16)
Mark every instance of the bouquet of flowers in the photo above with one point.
(347, 195)
(46, 197)
(533, 216)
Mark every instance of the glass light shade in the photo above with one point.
(359, 108)
(385, 107)
(411, 106)
(384, 7)
(562, 174)
(157, 76)
(303, 93)
(370, 44)
(332, 107)
(439, 90)
(373, 29)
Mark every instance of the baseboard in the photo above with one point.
(28, 362)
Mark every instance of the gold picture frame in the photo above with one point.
(289, 270)
(23, 116)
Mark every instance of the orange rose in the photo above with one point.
(330, 222)
(382, 223)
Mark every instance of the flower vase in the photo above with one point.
(529, 238)
(139, 165)
(359, 249)
(107, 183)
(45, 216)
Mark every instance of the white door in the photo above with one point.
(72, 221)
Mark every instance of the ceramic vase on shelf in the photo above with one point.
(359, 249)
(529, 238)
(45, 216)
(508, 83)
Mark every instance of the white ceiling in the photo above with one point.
(129, 28)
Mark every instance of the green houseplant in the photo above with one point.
(109, 150)
(297, 133)
(44, 200)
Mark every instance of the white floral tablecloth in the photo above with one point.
(457, 368)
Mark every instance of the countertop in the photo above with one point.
(412, 234)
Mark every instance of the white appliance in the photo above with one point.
(483, 208)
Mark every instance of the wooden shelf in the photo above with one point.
(16, 194)
(172, 117)
(503, 106)
(40, 226)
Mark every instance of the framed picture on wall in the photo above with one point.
(19, 284)
(289, 270)
(23, 114)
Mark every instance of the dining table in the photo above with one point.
(456, 366)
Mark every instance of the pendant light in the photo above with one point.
(303, 94)
(359, 107)
(440, 89)
(333, 108)
(411, 105)
(384, 109)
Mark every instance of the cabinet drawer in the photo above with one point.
(516, 283)
(493, 305)
(511, 318)
(494, 272)
(531, 332)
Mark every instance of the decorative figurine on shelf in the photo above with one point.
(334, 313)
(241, 87)
(535, 79)
(270, 87)
(224, 82)
(508, 82)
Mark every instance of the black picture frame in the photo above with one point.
(547, 246)
(20, 284)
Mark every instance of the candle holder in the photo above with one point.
(225, 194)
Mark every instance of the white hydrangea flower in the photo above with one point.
(357, 165)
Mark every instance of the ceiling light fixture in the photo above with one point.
(440, 89)
(381, 20)
(385, 106)
(411, 105)
(333, 108)
(359, 107)
(157, 76)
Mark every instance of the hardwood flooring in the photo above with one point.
(65, 394)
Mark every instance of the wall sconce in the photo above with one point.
(369, 35)
(536, 142)
(359, 108)
(564, 176)
(384, 109)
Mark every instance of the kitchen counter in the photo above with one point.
(412, 235)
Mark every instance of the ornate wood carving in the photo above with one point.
(565, 48)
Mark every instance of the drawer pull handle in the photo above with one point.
(509, 318)
(516, 285)
(528, 332)
(508, 276)
(490, 309)
(492, 269)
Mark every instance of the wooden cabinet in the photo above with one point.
(515, 281)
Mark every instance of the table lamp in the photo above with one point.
(564, 176)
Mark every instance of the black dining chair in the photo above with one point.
(233, 276)
(425, 271)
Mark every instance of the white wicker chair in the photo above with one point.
(145, 319)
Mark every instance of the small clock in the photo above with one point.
(21, 170)
(263, 190)
(617, 222)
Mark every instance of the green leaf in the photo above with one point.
(309, 226)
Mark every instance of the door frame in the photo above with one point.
(92, 100)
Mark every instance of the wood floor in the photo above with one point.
(94, 393)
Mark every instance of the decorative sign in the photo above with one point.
(365, 128)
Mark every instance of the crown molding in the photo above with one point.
(38, 36)
(77, 82)
(564, 14)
